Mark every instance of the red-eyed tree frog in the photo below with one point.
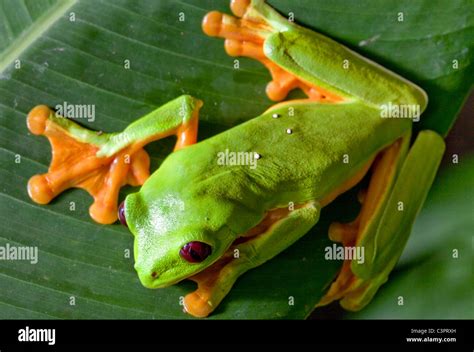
(198, 210)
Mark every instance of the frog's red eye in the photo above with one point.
(195, 252)
(121, 214)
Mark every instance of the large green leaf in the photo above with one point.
(82, 62)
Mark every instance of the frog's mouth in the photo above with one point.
(211, 280)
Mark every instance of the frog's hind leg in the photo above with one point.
(381, 229)
(245, 36)
(102, 163)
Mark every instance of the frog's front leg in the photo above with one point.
(278, 230)
(396, 193)
(101, 163)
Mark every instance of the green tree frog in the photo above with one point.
(194, 214)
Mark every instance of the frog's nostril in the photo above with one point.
(153, 274)
(121, 214)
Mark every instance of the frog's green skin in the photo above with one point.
(193, 198)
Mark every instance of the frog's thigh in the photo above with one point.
(215, 282)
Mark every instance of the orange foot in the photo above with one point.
(244, 36)
(75, 164)
(199, 302)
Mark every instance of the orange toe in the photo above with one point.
(196, 305)
(103, 214)
(212, 23)
(39, 189)
(239, 7)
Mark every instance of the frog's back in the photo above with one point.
(301, 156)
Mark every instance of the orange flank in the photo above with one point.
(75, 164)
(244, 36)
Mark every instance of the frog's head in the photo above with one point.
(175, 238)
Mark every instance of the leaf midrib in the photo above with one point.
(28, 37)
